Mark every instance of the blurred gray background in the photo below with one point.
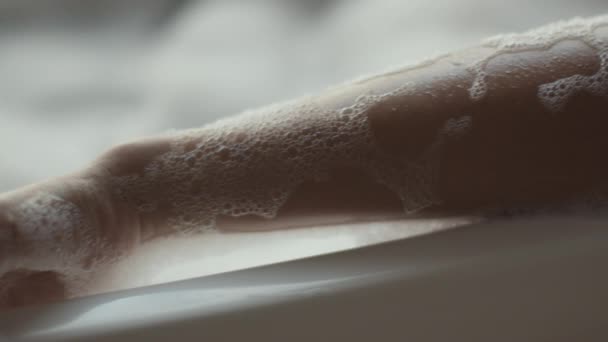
(78, 76)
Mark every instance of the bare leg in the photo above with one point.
(516, 121)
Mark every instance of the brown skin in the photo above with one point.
(517, 153)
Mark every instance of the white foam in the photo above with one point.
(57, 236)
(251, 163)
(553, 95)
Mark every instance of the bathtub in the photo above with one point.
(536, 279)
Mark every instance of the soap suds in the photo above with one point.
(250, 164)
(555, 94)
(54, 234)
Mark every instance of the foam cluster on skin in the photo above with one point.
(53, 234)
(553, 95)
(250, 164)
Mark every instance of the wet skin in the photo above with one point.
(513, 151)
